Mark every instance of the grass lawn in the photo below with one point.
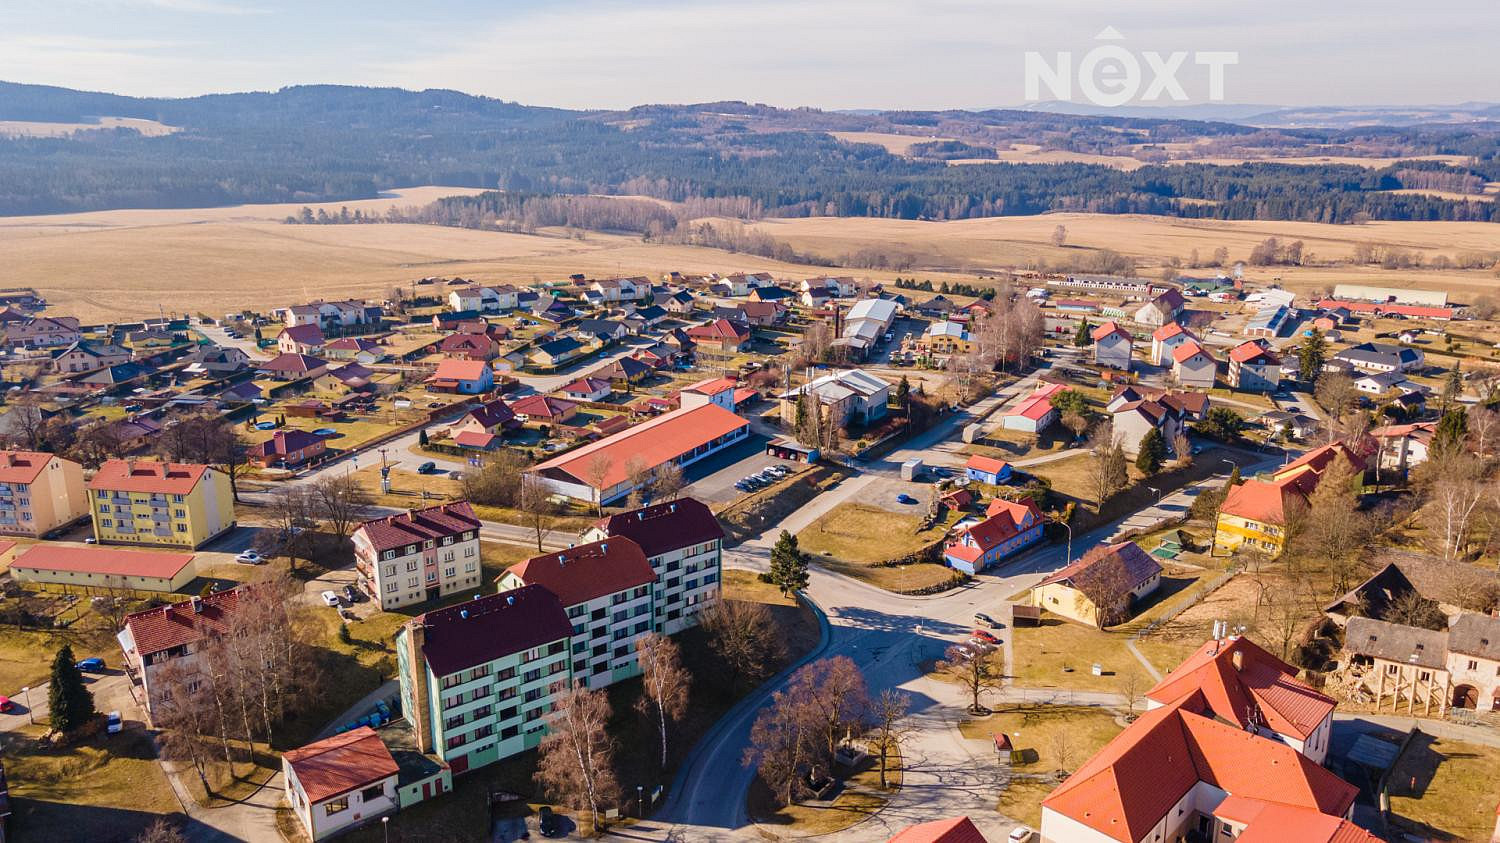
(228, 787)
(1061, 654)
(1454, 797)
(26, 654)
(407, 488)
(841, 541)
(860, 798)
(1016, 444)
(1052, 738)
(105, 788)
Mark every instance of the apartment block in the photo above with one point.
(479, 679)
(683, 542)
(148, 502)
(419, 555)
(39, 492)
(606, 588)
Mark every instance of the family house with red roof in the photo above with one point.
(987, 469)
(1035, 412)
(340, 782)
(39, 492)
(1008, 528)
(600, 471)
(720, 391)
(1255, 513)
(1193, 365)
(170, 637)
(492, 417)
(479, 678)
(290, 366)
(1167, 338)
(469, 347)
(466, 377)
(955, 830)
(165, 503)
(720, 335)
(419, 555)
(543, 409)
(300, 339)
(1100, 588)
(683, 542)
(588, 389)
(606, 588)
(289, 447)
(1111, 346)
(1253, 366)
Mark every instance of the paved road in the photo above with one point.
(218, 335)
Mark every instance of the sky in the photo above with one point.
(832, 54)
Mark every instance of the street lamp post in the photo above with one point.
(385, 828)
(640, 800)
(26, 692)
(1156, 491)
(1069, 528)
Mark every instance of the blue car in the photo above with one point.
(905, 498)
(91, 666)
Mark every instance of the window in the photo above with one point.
(370, 794)
(1424, 675)
(411, 566)
(336, 806)
(389, 554)
(390, 587)
(178, 498)
(532, 675)
(179, 513)
(107, 522)
(182, 528)
(449, 571)
(1473, 665)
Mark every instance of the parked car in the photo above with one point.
(330, 599)
(547, 822)
(905, 498)
(250, 557)
(1021, 834)
(985, 620)
(427, 467)
(113, 723)
(90, 540)
(91, 665)
(986, 636)
(6, 706)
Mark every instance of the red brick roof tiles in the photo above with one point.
(435, 522)
(340, 764)
(580, 574)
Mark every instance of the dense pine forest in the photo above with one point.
(329, 143)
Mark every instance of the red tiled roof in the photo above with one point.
(712, 386)
(167, 478)
(580, 574)
(719, 329)
(303, 334)
(176, 624)
(1002, 523)
(22, 466)
(1106, 329)
(465, 343)
(988, 465)
(1130, 784)
(337, 765)
(1034, 407)
(491, 627)
(1251, 350)
(665, 527)
(1271, 822)
(1262, 689)
(654, 442)
(955, 830)
(474, 439)
(292, 363)
(1187, 350)
(1168, 331)
(492, 414)
(459, 370)
(542, 407)
(108, 561)
(419, 525)
(586, 386)
(743, 394)
(350, 344)
(1262, 501)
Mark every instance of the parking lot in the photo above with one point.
(713, 479)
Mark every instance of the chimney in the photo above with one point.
(1238, 658)
(197, 605)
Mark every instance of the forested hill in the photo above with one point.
(328, 143)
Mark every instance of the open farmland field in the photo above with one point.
(37, 129)
(892, 143)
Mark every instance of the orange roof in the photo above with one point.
(1106, 329)
(1185, 351)
(988, 465)
(1318, 460)
(955, 830)
(107, 561)
(1251, 350)
(654, 442)
(1271, 822)
(348, 761)
(1244, 684)
(166, 478)
(460, 370)
(712, 386)
(1262, 501)
(1168, 331)
(22, 466)
(1130, 784)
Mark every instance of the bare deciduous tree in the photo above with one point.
(638, 477)
(1063, 750)
(888, 730)
(160, 831)
(665, 684)
(340, 502)
(1109, 471)
(669, 482)
(288, 515)
(595, 474)
(575, 762)
(743, 636)
(979, 672)
(535, 502)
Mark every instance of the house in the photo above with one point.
(340, 782)
(947, 338)
(515, 644)
(1192, 406)
(1382, 357)
(85, 356)
(358, 349)
(39, 492)
(1300, 424)
(166, 503)
(683, 543)
(623, 372)
(42, 332)
(418, 555)
(623, 289)
(1161, 310)
(1111, 346)
(867, 322)
(151, 338)
(1193, 365)
(1008, 528)
(937, 307)
(602, 471)
(774, 294)
(602, 331)
(1194, 767)
(289, 447)
(1165, 340)
(841, 287)
(1102, 588)
(761, 314)
(165, 640)
(679, 302)
(1254, 367)
(1133, 420)
(484, 299)
(849, 397)
(987, 470)
(543, 409)
(1034, 413)
(1403, 446)
(721, 335)
(466, 377)
(955, 830)
(1425, 672)
(720, 391)
(215, 360)
(135, 432)
(110, 376)
(1395, 384)
(1254, 514)
(651, 315)
(551, 308)
(104, 567)
(353, 377)
(588, 389)
(606, 587)
(470, 347)
(292, 366)
(556, 353)
(331, 314)
(300, 339)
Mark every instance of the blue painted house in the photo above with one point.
(1009, 527)
(987, 470)
(466, 377)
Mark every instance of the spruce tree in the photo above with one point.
(1310, 356)
(422, 437)
(788, 564)
(1082, 337)
(1234, 477)
(1152, 453)
(69, 703)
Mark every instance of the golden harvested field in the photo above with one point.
(36, 129)
(892, 143)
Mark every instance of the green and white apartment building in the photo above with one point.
(478, 679)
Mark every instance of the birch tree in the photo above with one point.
(665, 684)
(575, 762)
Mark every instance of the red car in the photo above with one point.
(6, 705)
(985, 636)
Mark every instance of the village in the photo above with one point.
(1054, 557)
